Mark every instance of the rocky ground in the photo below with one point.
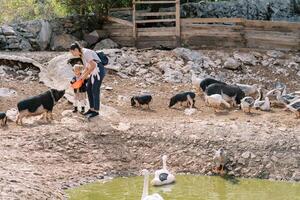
(39, 160)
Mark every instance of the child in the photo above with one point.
(80, 94)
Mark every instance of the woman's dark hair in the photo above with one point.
(75, 45)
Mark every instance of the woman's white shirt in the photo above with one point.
(87, 56)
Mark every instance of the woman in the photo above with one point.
(94, 72)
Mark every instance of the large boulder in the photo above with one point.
(44, 36)
(92, 38)
(62, 42)
(106, 44)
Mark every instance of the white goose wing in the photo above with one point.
(258, 104)
(153, 197)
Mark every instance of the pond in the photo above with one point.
(189, 187)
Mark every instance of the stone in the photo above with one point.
(12, 114)
(232, 64)
(91, 38)
(246, 154)
(189, 55)
(2, 41)
(33, 26)
(67, 113)
(44, 36)
(190, 111)
(62, 42)
(25, 45)
(275, 54)
(245, 58)
(296, 176)
(106, 44)
(122, 126)
(103, 34)
(6, 92)
(8, 30)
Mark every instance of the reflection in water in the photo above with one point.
(188, 187)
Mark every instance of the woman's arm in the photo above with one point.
(88, 70)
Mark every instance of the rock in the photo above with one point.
(246, 155)
(115, 67)
(232, 64)
(189, 55)
(245, 58)
(275, 54)
(92, 38)
(67, 113)
(122, 126)
(189, 111)
(108, 88)
(44, 36)
(103, 34)
(2, 41)
(6, 92)
(68, 120)
(62, 42)
(33, 26)
(12, 114)
(25, 45)
(296, 176)
(8, 30)
(106, 44)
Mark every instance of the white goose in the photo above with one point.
(163, 176)
(285, 99)
(145, 195)
(295, 107)
(263, 105)
(246, 104)
(280, 86)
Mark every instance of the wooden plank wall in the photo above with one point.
(214, 32)
(272, 35)
(120, 33)
(201, 33)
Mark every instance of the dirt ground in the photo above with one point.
(38, 161)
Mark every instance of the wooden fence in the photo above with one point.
(202, 32)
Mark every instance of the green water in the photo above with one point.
(190, 187)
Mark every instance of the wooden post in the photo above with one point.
(134, 22)
(178, 24)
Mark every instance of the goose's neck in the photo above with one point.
(165, 164)
(278, 95)
(145, 189)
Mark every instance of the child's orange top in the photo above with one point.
(77, 84)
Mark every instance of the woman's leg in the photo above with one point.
(96, 95)
(90, 93)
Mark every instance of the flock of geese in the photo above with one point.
(256, 97)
